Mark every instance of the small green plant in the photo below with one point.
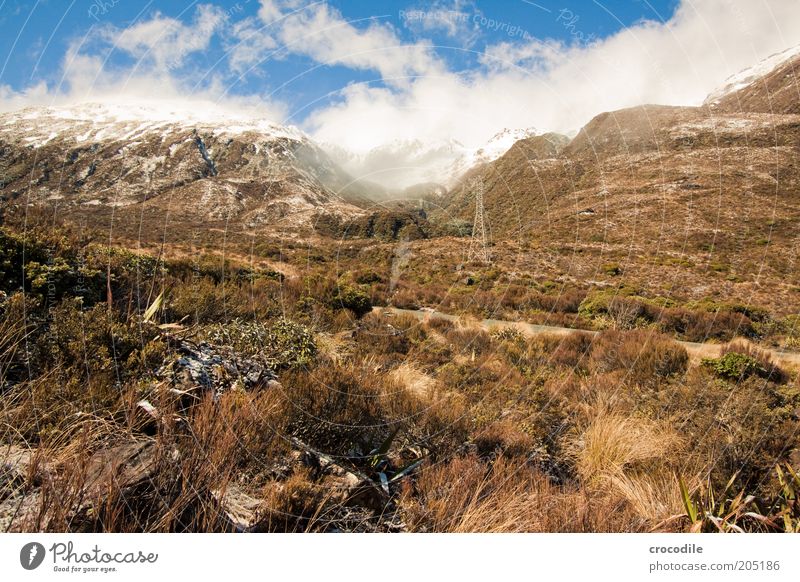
(509, 334)
(787, 503)
(154, 308)
(735, 366)
(708, 511)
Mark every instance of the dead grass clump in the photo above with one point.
(628, 313)
(432, 353)
(612, 444)
(645, 355)
(377, 334)
(439, 324)
(345, 409)
(414, 380)
(653, 496)
(405, 299)
(741, 428)
(573, 350)
(469, 340)
(411, 327)
(503, 438)
(468, 495)
(568, 301)
(696, 325)
(474, 381)
(538, 353)
(290, 505)
(332, 406)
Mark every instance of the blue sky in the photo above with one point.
(36, 35)
(388, 82)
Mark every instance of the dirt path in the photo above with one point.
(696, 351)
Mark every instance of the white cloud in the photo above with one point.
(160, 44)
(321, 33)
(167, 41)
(11, 100)
(455, 19)
(250, 44)
(272, 10)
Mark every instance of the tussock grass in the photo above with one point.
(440, 425)
(613, 444)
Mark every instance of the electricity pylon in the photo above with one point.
(479, 245)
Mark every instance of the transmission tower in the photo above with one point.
(479, 245)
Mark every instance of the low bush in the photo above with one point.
(282, 344)
(352, 298)
(739, 361)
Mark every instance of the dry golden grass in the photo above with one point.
(571, 432)
(652, 495)
(466, 495)
(612, 444)
(414, 380)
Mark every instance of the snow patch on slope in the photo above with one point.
(498, 145)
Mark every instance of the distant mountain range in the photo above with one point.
(130, 161)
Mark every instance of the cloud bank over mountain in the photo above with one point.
(398, 122)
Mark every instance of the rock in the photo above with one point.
(19, 512)
(19, 502)
(349, 486)
(124, 466)
(19, 466)
(240, 509)
(206, 368)
(14, 464)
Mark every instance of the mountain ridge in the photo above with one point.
(99, 156)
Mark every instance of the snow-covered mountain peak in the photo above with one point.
(126, 120)
(747, 76)
(502, 141)
(399, 164)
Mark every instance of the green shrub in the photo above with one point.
(352, 298)
(739, 361)
(733, 366)
(283, 345)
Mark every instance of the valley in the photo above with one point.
(207, 324)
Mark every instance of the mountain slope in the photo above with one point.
(93, 159)
(772, 86)
(654, 187)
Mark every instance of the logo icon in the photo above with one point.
(31, 555)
